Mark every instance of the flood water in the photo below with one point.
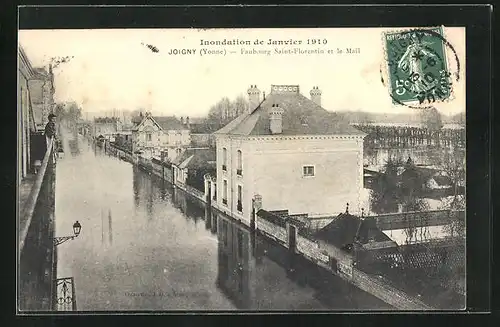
(146, 246)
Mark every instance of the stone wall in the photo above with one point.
(311, 250)
(157, 169)
(274, 231)
(385, 292)
(125, 155)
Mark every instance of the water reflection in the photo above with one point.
(258, 274)
(163, 257)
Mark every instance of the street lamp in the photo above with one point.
(77, 227)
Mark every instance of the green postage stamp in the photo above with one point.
(418, 71)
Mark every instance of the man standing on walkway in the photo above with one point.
(51, 132)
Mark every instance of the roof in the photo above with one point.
(136, 120)
(195, 158)
(442, 180)
(127, 128)
(168, 123)
(345, 228)
(202, 159)
(184, 164)
(26, 62)
(418, 256)
(195, 120)
(41, 73)
(419, 172)
(105, 120)
(301, 116)
(272, 217)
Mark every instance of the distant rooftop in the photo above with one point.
(301, 116)
(104, 120)
(196, 158)
(169, 123)
(346, 228)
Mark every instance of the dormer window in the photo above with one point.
(308, 171)
(303, 121)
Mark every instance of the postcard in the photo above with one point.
(215, 170)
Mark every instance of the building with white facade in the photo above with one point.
(293, 153)
(156, 135)
(106, 127)
(42, 92)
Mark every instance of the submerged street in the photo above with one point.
(145, 246)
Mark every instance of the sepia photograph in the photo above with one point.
(245, 169)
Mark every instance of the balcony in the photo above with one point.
(239, 206)
(36, 257)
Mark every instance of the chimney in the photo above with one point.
(253, 98)
(316, 95)
(276, 119)
(182, 120)
(187, 121)
(257, 202)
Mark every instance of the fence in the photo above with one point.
(416, 219)
(195, 192)
(272, 230)
(311, 250)
(404, 137)
(36, 250)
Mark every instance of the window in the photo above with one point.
(239, 205)
(148, 137)
(239, 168)
(224, 190)
(178, 151)
(215, 191)
(308, 171)
(224, 159)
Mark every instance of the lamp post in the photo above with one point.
(76, 229)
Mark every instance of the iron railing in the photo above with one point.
(65, 297)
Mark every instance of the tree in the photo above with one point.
(240, 105)
(452, 163)
(417, 225)
(226, 110)
(386, 193)
(431, 119)
(69, 113)
(57, 61)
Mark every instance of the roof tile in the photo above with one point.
(169, 123)
(301, 116)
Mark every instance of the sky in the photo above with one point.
(114, 69)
